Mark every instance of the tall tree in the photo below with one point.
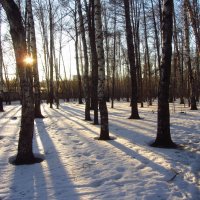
(1, 69)
(94, 60)
(51, 60)
(37, 93)
(104, 133)
(86, 78)
(147, 58)
(188, 59)
(25, 153)
(163, 138)
(77, 60)
(131, 57)
(194, 22)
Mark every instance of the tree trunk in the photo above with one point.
(188, 59)
(17, 31)
(148, 59)
(80, 96)
(94, 80)
(163, 138)
(33, 47)
(86, 78)
(1, 69)
(104, 133)
(131, 57)
(178, 59)
(51, 61)
(114, 57)
(194, 23)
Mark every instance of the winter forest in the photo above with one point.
(99, 99)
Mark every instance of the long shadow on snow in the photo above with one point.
(167, 175)
(55, 166)
(76, 111)
(166, 172)
(28, 182)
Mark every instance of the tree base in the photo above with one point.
(134, 117)
(2, 111)
(14, 160)
(194, 108)
(88, 119)
(167, 145)
(105, 138)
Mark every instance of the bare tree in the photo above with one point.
(104, 133)
(86, 78)
(25, 152)
(33, 48)
(163, 138)
(1, 69)
(188, 59)
(131, 57)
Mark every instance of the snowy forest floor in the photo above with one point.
(77, 166)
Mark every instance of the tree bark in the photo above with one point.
(188, 59)
(131, 57)
(37, 94)
(17, 31)
(51, 61)
(148, 59)
(1, 69)
(163, 138)
(94, 80)
(80, 96)
(86, 78)
(104, 133)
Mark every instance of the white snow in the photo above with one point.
(77, 166)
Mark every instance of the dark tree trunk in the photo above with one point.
(33, 47)
(86, 77)
(80, 93)
(163, 138)
(17, 31)
(51, 89)
(91, 28)
(131, 57)
(148, 59)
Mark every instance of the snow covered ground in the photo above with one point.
(77, 166)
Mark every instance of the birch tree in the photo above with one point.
(188, 58)
(37, 95)
(163, 138)
(25, 151)
(104, 132)
(1, 69)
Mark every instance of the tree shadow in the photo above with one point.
(28, 181)
(61, 182)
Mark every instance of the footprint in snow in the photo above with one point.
(117, 176)
(76, 141)
(99, 157)
(70, 134)
(96, 172)
(97, 183)
(120, 169)
(87, 154)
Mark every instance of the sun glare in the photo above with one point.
(28, 60)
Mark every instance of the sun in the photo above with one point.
(28, 60)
